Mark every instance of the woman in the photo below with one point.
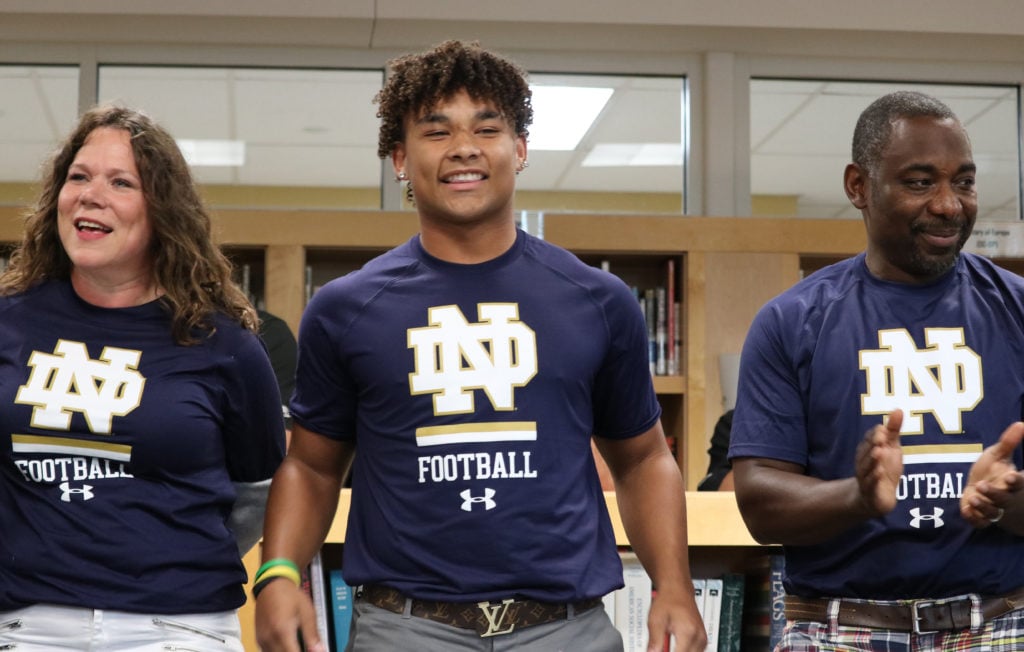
(141, 416)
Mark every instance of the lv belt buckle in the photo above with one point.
(495, 614)
(916, 617)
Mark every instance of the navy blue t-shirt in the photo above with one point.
(472, 392)
(118, 454)
(827, 360)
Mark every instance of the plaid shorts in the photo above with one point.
(1002, 634)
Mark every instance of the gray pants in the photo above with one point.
(379, 630)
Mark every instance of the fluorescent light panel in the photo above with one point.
(213, 153)
(562, 115)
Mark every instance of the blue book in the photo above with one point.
(778, 596)
(341, 609)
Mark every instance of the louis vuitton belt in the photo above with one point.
(486, 618)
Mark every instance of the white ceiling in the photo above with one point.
(800, 133)
(318, 128)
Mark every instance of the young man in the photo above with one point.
(872, 395)
(464, 374)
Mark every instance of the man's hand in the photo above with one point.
(993, 481)
(282, 612)
(879, 465)
(675, 614)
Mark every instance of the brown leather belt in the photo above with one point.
(918, 616)
(487, 618)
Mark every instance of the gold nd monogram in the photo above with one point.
(454, 357)
(943, 379)
(68, 380)
(495, 614)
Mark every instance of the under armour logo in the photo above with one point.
(69, 381)
(935, 517)
(468, 500)
(67, 491)
(943, 379)
(454, 357)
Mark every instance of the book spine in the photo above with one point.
(632, 604)
(672, 325)
(778, 593)
(661, 331)
(730, 623)
(712, 611)
(341, 609)
(757, 602)
(318, 592)
(649, 304)
(699, 588)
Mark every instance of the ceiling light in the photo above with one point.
(562, 115)
(213, 153)
(635, 155)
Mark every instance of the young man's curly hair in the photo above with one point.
(419, 81)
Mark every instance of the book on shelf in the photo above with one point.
(632, 604)
(757, 605)
(308, 284)
(677, 341)
(671, 319)
(661, 331)
(650, 309)
(341, 595)
(777, 570)
(318, 593)
(728, 612)
(246, 279)
(730, 620)
(712, 610)
(699, 591)
(764, 603)
(332, 597)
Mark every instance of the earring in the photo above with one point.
(402, 176)
(523, 164)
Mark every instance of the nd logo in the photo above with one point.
(68, 380)
(943, 379)
(453, 357)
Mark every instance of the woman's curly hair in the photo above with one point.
(188, 266)
(419, 81)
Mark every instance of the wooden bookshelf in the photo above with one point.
(727, 268)
(717, 536)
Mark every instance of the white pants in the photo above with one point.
(53, 628)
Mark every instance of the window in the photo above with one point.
(37, 109)
(606, 144)
(262, 136)
(801, 132)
